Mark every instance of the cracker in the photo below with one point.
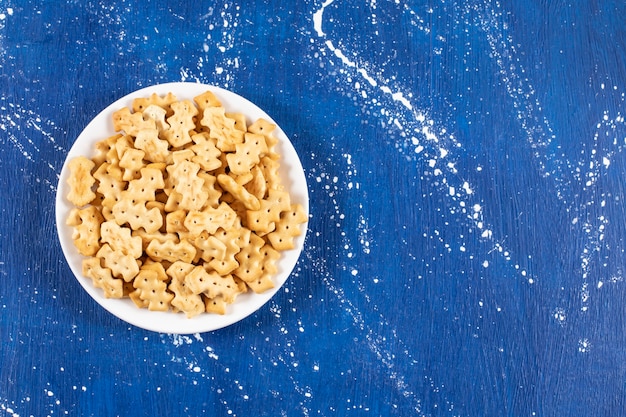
(152, 289)
(184, 299)
(211, 284)
(156, 113)
(144, 188)
(131, 123)
(228, 263)
(141, 103)
(221, 128)
(121, 265)
(156, 149)
(121, 239)
(205, 152)
(181, 123)
(137, 215)
(247, 154)
(207, 99)
(132, 163)
(210, 219)
(102, 278)
(86, 235)
(287, 228)
(171, 251)
(250, 259)
(81, 181)
(239, 192)
(264, 220)
(265, 281)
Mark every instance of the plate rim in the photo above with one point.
(290, 171)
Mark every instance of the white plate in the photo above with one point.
(292, 177)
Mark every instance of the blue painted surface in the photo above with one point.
(465, 254)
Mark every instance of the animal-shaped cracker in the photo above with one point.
(152, 289)
(210, 219)
(86, 223)
(180, 123)
(184, 299)
(264, 220)
(132, 163)
(265, 282)
(156, 149)
(221, 128)
(102, 278)
(247, 154)
(137, 216)
(171, 251)
(141, 103)
(239, 192)
(80, 181)
(212, 284)
(120, 239)
(287, 228)
(121, 265)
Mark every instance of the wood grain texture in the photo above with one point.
(465, 254)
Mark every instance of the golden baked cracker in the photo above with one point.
(287, 228)
(264, 220)
(131, 123)
(141, 103)
(181, 123)
(158, 114)
(250, 259)
(221, 128)
(269, 168)
(174, 221)
(156, 149)
(144, 188)
(262, 127)
(120, 239)
(207, 99)
(158, 236)
(121, 265)
(104, 147)
(210, 219)
(132, 162)
(81, 181)
(109, 186)
(171, 251)
(137, 216)
(209, 247)
(205, 152)
(257, 186)
(239, 192)
(152, 290)
(212, 192)
(247, 154)
(188, 185)
(212, 284)
(86, 223)
(122, 144)
(265, 128)
(240, 121)
(229, 238)
(102, 278)
(265, 281)
(184, 300)
(215, 305)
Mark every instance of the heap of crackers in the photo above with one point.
(182, 209)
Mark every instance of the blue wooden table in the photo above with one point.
(465, 163)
